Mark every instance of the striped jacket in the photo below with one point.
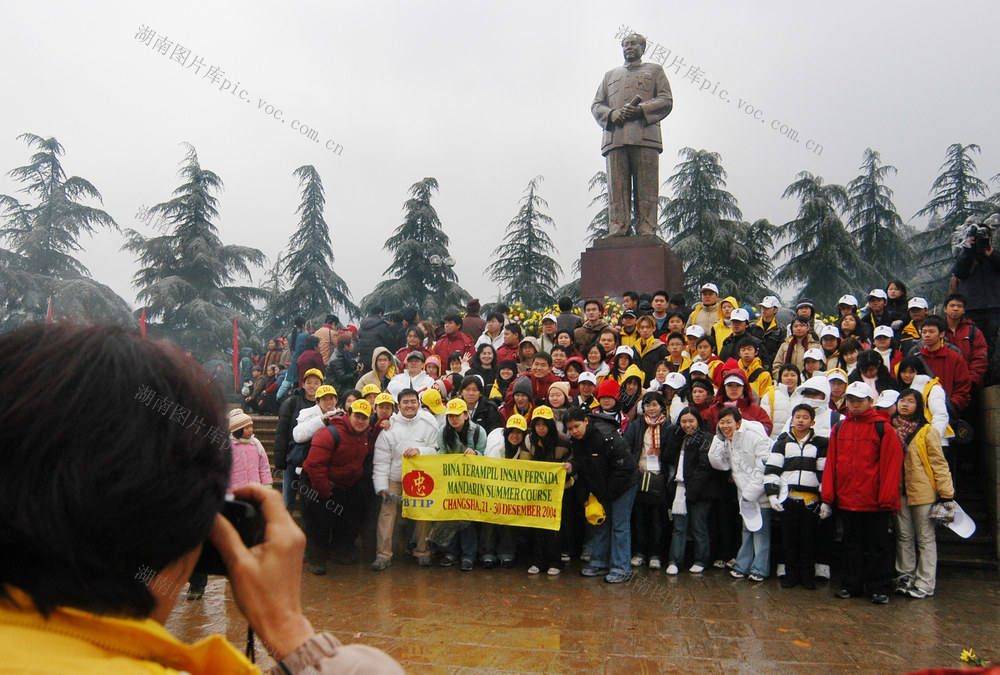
(797, 464)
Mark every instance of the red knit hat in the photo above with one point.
(609, 387)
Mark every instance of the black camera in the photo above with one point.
(980, 235)
(248, 521)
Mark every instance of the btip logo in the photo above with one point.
(417, 484)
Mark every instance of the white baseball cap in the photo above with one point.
(848, 300)
(883, 331)
(588, 377)
(710, 287)
(829, 331)
(733, 379)
(675, 381)
(739, 314)
(814, 353)
(700, 367)
(694, 330)
(859, 389)
(887, 398)
(550, 317)
(837, 374)
(878, 293)
(917, 303)
(770, 301)
(624, 349)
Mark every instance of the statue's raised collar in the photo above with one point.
(632, 65)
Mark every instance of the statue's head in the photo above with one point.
(633, 46)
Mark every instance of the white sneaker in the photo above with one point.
(781, 570)
(533, 569)
(822, 571)
(554, 571)
(672, 569)
(696, 569)
(654, 563)
(638, 561)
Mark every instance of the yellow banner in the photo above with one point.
(467, 487)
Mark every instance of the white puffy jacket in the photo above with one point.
(420, 432)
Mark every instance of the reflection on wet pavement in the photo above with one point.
(443, 620)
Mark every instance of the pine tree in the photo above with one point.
(707, 229)
(954, 199)
(875, 224)
(314, 286)
(432, 288)
(43, 237)
(186, 275)
(523, 264)
(824, 257)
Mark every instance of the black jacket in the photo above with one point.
(701, 481)
(770, 341)
(288, 414)
(487, 415)
(341, 371)
(978, 275)
(603, 465)
(373, 332)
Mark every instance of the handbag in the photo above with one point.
(652, 489)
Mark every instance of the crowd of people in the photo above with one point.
(761, 441)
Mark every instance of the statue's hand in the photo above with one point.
(631, 112)
(616, 117)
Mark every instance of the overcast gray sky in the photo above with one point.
(483, 97)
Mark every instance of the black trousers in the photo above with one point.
(799, 530)
(724, 524)
(868, 555)
(335, 520)
(647, 529)
(544, 551)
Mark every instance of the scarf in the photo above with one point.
(626, 401)
(804, 341)
(905, 430)
(654, 432)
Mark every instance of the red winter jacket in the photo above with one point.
(974, 350)
(863, 473)
(340, 464)
(539, 388)
(457, 342)
(948, 365)
(748, 409)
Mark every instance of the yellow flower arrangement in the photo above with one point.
(969, 657)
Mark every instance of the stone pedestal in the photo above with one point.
(643, 264)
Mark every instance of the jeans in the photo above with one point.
(697, 518)
(289, 487)
(464, 544)
(496, 540)
(867, 558)
(613, 538)
(755, 552)
(916, 545)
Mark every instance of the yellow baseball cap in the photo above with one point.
(325, 390)
(432, 399)
(384, 397)
(456, 406)
(594, 511)
(313, 372)
(370, 389)
(516, 421)
(542, 412)
(361, 407)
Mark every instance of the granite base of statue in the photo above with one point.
(643, 264)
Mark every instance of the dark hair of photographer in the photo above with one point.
(100, 481)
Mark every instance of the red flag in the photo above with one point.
(236, 356)
(142, 322)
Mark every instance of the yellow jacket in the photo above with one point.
(75, 641)
(720, 329)
(762, 384)
(630, 339)
(923, 460)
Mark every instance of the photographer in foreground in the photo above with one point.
(107, 493)
(976, 274)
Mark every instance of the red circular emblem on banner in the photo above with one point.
(417, 484)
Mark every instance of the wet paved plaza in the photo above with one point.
(442, 620)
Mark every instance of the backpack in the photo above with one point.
(879, 429)
(297, 455)
(752, 377)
